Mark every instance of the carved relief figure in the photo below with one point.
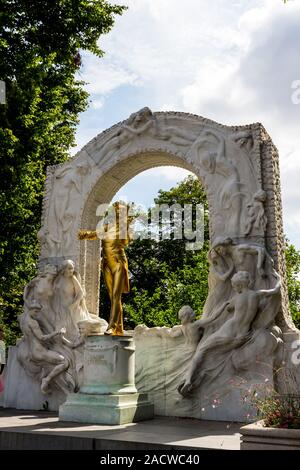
(235, 331)
(221, 269)
(244, 139)
(256, 219)
(69, 301)
(176, 135)
(137, 124)
(48, 245)
(54, 324)
(244, 255)
(189, 328)
(227, 257)
(68, 182)
(40, 289)
(38, 346)
(211, 153)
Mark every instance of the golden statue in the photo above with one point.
(114, 264)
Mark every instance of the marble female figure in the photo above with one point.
(69, 300)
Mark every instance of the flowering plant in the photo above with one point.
(279, 411)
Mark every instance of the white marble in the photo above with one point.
(238, 167)
(234, 325)
(54, 325)
(23, 392)
(223, 395)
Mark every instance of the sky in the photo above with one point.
(235, 62)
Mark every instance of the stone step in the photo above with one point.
(20, 430)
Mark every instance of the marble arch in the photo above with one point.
(234, 163)
(239, 170)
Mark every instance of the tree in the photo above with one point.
(292, 257)
(40, 43)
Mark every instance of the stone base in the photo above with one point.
(24, 392)
(106, 409)
(257, 437)
(226, 398)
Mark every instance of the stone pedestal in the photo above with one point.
(108, 394)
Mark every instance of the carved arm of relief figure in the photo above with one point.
(138, 130)
(205, 321)
(254, 250)
(221, 276)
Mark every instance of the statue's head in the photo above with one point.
(34, 309)
(140, 116)
(240, 281)
(68, 268)
(82, 168)
(186, 314)
(221, 245)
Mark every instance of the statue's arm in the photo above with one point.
(73, 344)
(38, 333)
(174, 332)
(50, 336)
(87, 235)
(254, 250)
(36, 330)
(206, 321)
(223, 277)
(268, 292)
(138, 131)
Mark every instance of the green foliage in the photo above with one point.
(39, 58)
(165, 275)
(292, 257)
(185, 285)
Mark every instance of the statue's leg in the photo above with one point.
(187, 386)
(108, 279)
(120, 327)
(60, 365)
(116, 313)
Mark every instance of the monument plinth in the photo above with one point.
(108, 394)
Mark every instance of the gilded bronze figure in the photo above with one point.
(114, 265)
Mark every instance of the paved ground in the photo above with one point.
(42, 430)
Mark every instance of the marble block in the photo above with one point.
(161, 363)
(106, 409)
(108, 365)
(22, 391)
(108, 394)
